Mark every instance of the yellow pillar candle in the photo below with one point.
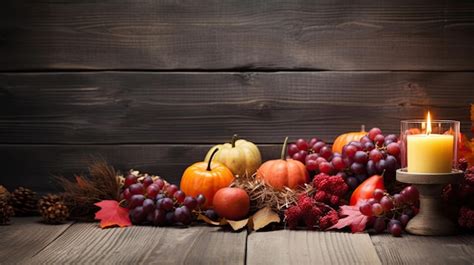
(430, 153)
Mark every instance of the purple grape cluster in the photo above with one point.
(155, 202)
(373, 154)
(316, 155)
(391, 213)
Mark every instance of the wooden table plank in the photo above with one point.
(309, 247)
(411, 249)
(87, 244)
(25, 237)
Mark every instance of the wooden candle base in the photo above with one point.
(430, 220)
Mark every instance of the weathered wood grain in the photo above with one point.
(425, 250)
(25, 237)
(146, 107)
(34, 166)
(308, 247)
(88, 244)
(323, 34)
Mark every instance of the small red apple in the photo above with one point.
(231, 203)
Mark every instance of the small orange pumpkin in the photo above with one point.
(346, 138)
(206, 178)
(280, 173)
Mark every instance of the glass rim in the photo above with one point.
(433, 121)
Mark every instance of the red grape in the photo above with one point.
(377, 209)
(292, 149)
(375, 155)
(396, 230)
(369, 146)
(325, 167)
(300, 156)
(302, 144)
(167, 204)
(397, 199)
(391, 137)
(200, 199)
(391, 163)
(358, 145)
(371, 201)
(352, 182)
(326, 152)
(137, 188)
(380, 166)
(312, 141)
(311, 165)
(147, 181)
(374, 132)
(148, 206)
(338, 163)
(159, 217)
(137, 215)
(358, 168)
(365, 139)
(393, 149)
(366, 209)
(371, 168)
(387, 203)
(379, 139)
(410, 194)
(170, 218)
(159, 183)
(404, 218)
(127, 194)
(171, 189)
(152, 191)
(317, 146)
(179, 196)
(320, 160)
(361, 157)
(136, 200)
(311, 156)
(190, 202)
(129, 180)
(350, 151)
(378, 194)
(379, 225)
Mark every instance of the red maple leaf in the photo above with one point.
(354, 218)
(112, 214)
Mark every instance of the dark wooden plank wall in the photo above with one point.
(152, 84)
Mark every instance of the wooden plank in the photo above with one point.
(424, 249)
(88, 244)
(308, 247)
(323, 34)
(33, 166)
(184, 107)
(25, 237)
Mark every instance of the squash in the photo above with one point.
(206, 178)
(346, 138)
(281, 173)
(240, 156)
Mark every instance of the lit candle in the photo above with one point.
(430, 153)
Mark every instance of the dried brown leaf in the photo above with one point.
(263, 218)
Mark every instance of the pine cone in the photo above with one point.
(6, 211)
(53, 209)
(4, 194)
(24, 201)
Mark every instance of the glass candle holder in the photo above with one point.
(429, 146)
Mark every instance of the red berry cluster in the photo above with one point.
(311, 213)
(466, 218)
(460, 198)
(330, 189)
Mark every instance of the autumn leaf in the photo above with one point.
(354, 218)
(263, 218)
(112, 214)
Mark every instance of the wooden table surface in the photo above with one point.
(27, 241)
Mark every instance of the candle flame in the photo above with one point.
(428, 123)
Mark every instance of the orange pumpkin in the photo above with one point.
(206, 178)
(280, 173)
(346, 138)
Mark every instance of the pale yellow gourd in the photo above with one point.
(240, 156)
